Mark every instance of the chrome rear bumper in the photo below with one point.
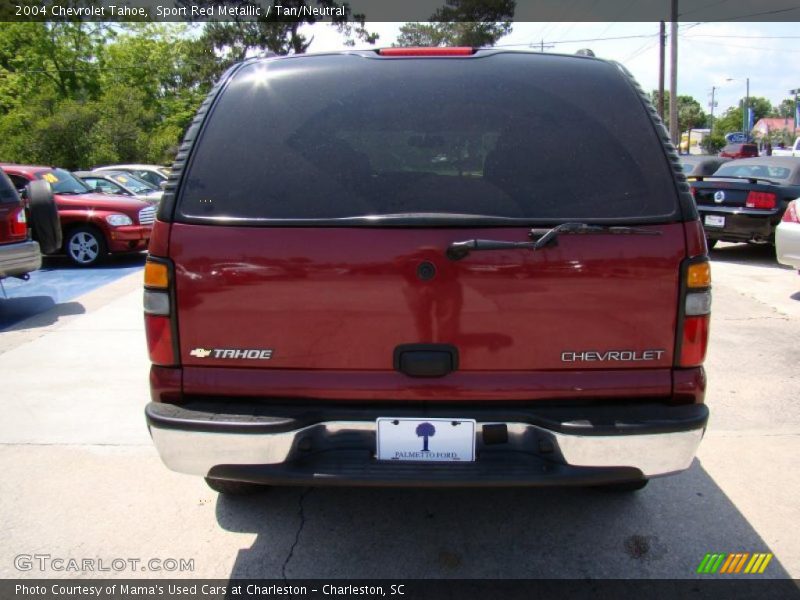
(203, 443)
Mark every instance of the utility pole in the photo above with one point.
(746, 112)
(712, 105)
(794, 129)
(673, 75)
(662, 42)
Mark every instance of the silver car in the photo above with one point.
(787, 236)
(121, 183)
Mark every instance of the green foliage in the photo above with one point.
(712, 144)
(475, 23)
(785, 109)
(690, 112)
(81, 94)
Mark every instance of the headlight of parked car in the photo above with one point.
(118, 220)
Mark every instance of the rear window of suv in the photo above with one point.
(530, 137)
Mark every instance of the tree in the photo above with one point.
(474, 23)
(785, 109)
(732, 119)
(690, 112)
(425, 431)
(223, 43)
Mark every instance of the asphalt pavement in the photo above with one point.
(57, 283)
(81, 478)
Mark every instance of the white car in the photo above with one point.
(152, 174)
(787, 236)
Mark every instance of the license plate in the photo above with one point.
(426, 440)
(714, 221)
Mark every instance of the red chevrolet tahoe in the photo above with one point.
(409, 267)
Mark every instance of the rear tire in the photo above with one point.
(45, 224)
(234, 488)
(624, 486)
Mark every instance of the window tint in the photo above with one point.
(7, 191)
(63, 182)
(509, 135)
(752, 170)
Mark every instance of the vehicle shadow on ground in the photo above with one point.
(762, 255)
(663, 531)
(61, 262)
(34, 311)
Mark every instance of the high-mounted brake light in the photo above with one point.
(761, 200)
(427, 51)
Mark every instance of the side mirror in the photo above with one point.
(163, 185)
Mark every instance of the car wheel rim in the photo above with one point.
(83, 247)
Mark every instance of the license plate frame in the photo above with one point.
(400, 439)
(717, 221)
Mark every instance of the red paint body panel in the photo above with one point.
(457, 386)
(341, 299)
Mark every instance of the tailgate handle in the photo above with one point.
(425, 360)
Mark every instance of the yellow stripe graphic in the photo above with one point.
(749, 567)
(758, 562)
(765, 563)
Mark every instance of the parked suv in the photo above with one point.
(739, 151)
(408, 267)
(93, 225)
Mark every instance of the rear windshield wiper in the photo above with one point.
(547, 237)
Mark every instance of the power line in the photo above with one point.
(599, 39)
(749, 37)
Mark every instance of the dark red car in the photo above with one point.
(19, 254)
(739, 151)
(93, 225)
(408, 267)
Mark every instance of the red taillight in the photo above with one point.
(695, 313)
(790, 216)
(429, 51)
(695, 341)
(159, 340)
(761, 200)
(158, 312)
(16, 226)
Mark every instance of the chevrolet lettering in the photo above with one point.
(613, 355)
(232, 353)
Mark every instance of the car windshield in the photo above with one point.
(137, 186)
(754, 170)
(63, 182)
(507, 136)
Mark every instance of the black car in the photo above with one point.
(701, 164)
(745, 199)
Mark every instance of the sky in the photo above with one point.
(720, 55)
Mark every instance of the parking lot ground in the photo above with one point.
(81, 478)
(57, 284)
